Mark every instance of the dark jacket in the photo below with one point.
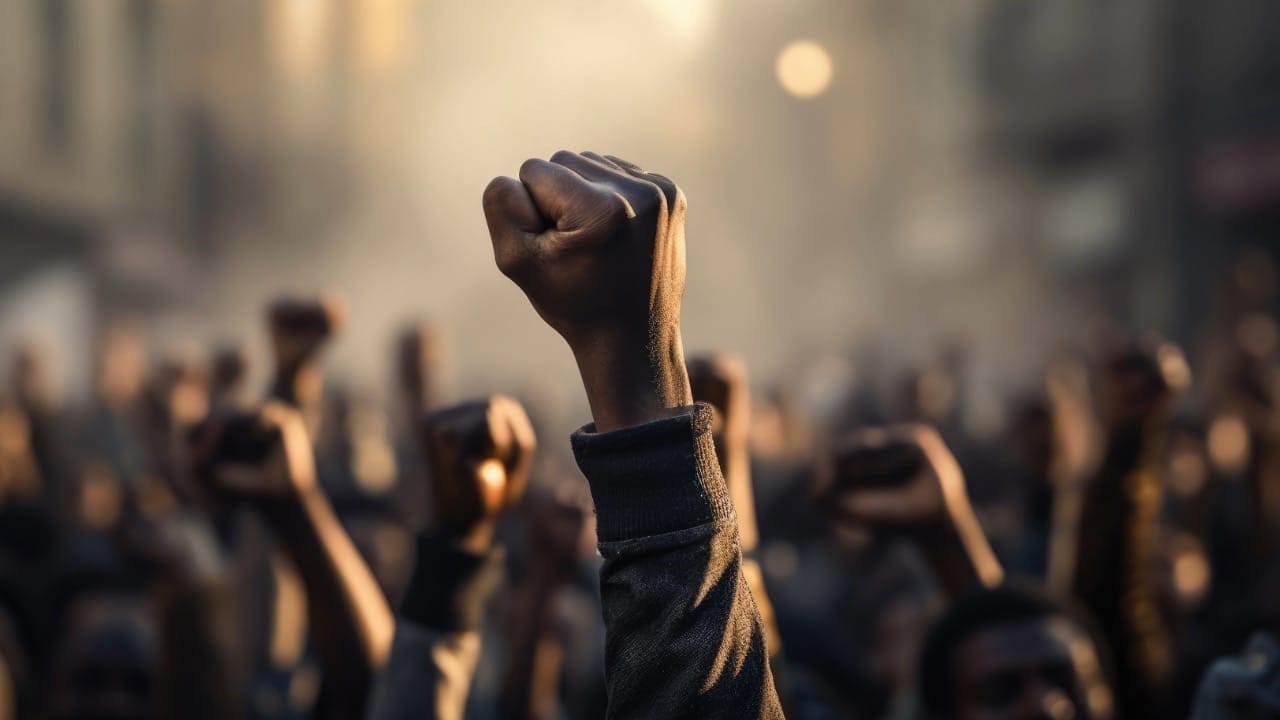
(683, 635)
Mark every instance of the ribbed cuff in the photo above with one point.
(449, 585)
(654, 478)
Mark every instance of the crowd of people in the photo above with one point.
(175, 547)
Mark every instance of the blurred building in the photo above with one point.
(983, 159)
(1141, 138)
(140, 138)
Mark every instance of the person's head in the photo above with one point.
(104, 656)
(1013, 652)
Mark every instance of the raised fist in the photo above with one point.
(255, 457)
(300, 328)
(898, 478)
(480, 453)
(904, 480)
(597, 245)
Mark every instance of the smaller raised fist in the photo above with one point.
(480, 454)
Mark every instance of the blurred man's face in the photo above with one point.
(105, 665)
(1033, 669)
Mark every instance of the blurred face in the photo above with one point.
(1037, 669)
(105, 666)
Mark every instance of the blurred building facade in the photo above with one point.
(1143, 136)
(1111, 153)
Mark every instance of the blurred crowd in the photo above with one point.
(903, 564)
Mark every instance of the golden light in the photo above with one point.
(687, 18)
(804, 69)
(382, 37)
(1229, 444)
(300, 33)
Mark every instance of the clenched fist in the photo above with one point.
(254, 457)
(597, 245)
(895, 478)
(301, 327)
(904, 480)
(480, 454)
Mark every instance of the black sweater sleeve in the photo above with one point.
(437, 642)
(683, 636)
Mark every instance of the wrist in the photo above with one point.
(959, 551)
(631, 381)
(296, 383)
(476, 537)
(296, 514)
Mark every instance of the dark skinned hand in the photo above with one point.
(904, 481)
(597, 245)
(254, 457)
(301, 327)
(480, 454)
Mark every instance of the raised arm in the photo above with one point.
(903, 481)
(265, 460)
(300, 328)
(597, 245)
(480, 453)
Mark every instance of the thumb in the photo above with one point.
(512, 217)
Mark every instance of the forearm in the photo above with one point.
(624, 385)
(960, 555)
(297, 385)
(351, 624)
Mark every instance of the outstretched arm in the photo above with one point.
(904, 481)
(597, 245)
(479, 453)
(265, 460)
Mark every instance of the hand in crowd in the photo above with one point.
(265, 460)
(301, 327)
(480, 454)
(904, 481)
(597, 244)
(255, 457)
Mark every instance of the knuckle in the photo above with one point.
(561, 156)
(647, 199)
(530, 167)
